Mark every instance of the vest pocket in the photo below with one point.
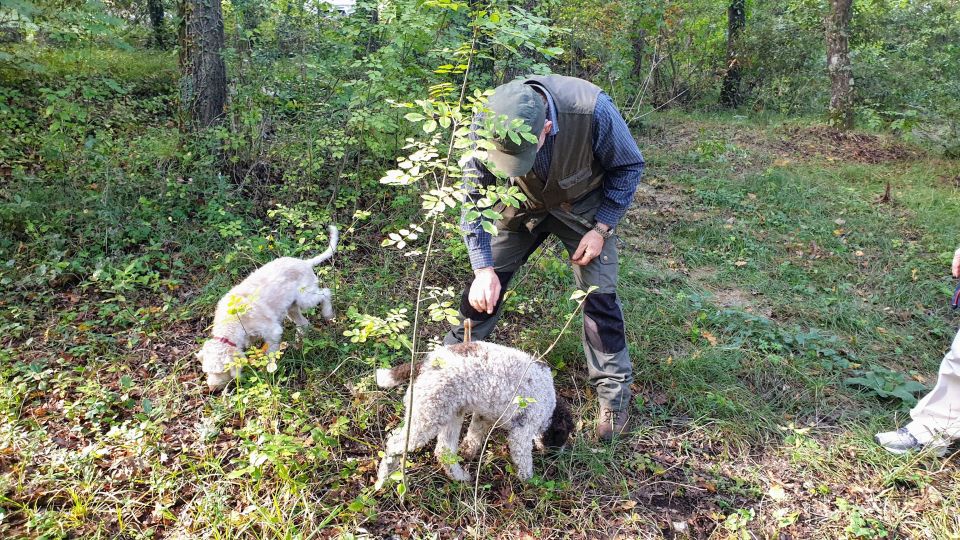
(575, 178)
(577, 184)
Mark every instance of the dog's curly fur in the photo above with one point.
(281, 288)
(487, 381)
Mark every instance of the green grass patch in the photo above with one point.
(777, 315)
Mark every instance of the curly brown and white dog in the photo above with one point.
(257, 306)
(499, 386)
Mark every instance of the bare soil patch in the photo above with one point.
(951, 180)
(727, 296)
(785, 142)
(833, 144)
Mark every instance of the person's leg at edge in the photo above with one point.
(937, 414)
(511, 249)
(936, 417)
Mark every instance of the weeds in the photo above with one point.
(113, 255)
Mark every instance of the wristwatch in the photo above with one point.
(604, 233)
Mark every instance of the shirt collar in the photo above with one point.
(551, 108)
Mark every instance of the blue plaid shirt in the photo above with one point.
(613, 146)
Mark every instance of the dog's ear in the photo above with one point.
(561, 425)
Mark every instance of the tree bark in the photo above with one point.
(203, 82)
(838, 63)
(639, 47)
(155, 7)
(736, 21)
(373, 42)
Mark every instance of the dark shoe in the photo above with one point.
(902, 441)
(611, 423)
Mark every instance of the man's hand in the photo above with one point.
(590, 246)
(485, 290)
(956, 264)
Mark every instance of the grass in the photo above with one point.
(759, 275)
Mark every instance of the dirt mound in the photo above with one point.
(845, 145)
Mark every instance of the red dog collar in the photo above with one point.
(225, 340)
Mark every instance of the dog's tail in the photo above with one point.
(397, 375)
(334, 237)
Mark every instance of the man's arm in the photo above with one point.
(614, 147)
(485, 289)
(956, 264)
(617, 151)
(476, 175)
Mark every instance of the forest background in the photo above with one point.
(784, 264)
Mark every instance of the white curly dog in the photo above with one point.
(499, 386)
(257, 306)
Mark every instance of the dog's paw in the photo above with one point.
(302, 331)
(468, 449)
(388, 465)
(218, 381)
(525, 473)
(456, 472)
(461, 475)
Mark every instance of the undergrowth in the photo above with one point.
(777, 313)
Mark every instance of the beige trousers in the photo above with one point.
(938, 413)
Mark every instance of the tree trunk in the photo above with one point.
(736, 21)
(838, 64)
(203, 83)
(155, 7)
(639, 46)
(373, 42)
